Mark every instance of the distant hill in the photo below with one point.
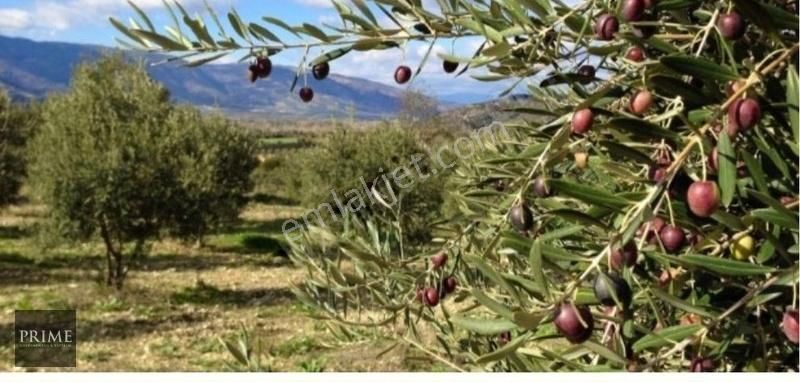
(30, 69)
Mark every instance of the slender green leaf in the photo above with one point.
(535, 258)
(792, 89)
(725, 266)
(681, 304)
(699, 68)
(666, 336)
(591, 195)
(605, 352)
(727, 169)
(483, 326)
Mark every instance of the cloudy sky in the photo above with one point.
(86, 21)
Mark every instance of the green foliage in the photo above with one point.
(16, 123)
(113, 157)
(346, 159)
(699, 301)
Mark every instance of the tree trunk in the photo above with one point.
(116, 271)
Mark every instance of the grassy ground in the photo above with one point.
(178, 302)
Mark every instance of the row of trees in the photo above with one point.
(114, 158)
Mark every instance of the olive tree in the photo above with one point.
(114, 158)
(15, 124)
(647, 220)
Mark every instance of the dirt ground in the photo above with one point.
(179, 302)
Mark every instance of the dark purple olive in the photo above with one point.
(655, 228)
(540, 187)
(321, 70)
(606, 27)
(504, 338)
(521, 217)
(586, 74)
(701, 365)
(633, 10)
(402, 74)
(713, 160)
(612, 290)
(449, 66)
(252, 73)
(743, 114)
(575, 323)
(635, 54)
(431, 297)
(306, 94)
(264, 67)
(731, 25)
(439, 260)
(673, 238)
(624, 256)
(658, 173)
(450, 284)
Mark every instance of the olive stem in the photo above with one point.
(706, 30)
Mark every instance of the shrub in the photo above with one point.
(115, 158)
(713, 285)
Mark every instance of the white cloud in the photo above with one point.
(50, 16)
(13, 19)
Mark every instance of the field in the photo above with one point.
(178, 302)
(182, 299)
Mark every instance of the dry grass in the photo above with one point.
(178, 302)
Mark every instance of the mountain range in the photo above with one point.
(31, 70)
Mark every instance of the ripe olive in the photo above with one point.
(612, 290)
(306, 94)
(575, 323)
(321, 70)
(521, 217)
(624, 256)
(431, 296)
(540, 187)
(701, 365)
(731, 25)
(606, 27)
(402, 74)
(439, 260)
(790, 328)
(582, 121)
(641, 102)
(673, 238)
(449, 66)
(633, 10)
(703, 198)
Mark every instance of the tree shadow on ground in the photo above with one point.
(205, 294)
(12, 232)
(16, 269)
(263, 227)
(273, 200)
(251, 244)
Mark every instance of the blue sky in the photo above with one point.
(85, 21)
